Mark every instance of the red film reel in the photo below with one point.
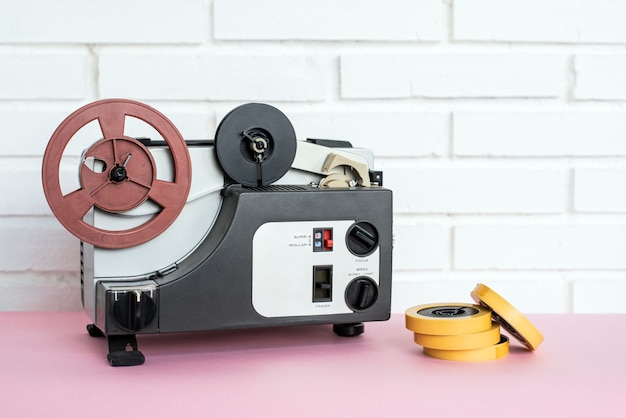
(126, 174)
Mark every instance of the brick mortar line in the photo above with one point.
(444, 46)
(576, 219)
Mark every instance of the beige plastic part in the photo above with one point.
(360, 169)
(336, 181)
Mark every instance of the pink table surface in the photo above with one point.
(51, 367)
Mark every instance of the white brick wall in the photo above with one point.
(174, 76)
(499, 124)
(439, 75)
(42, 75)
(458, 190)
(539, 134)
(325, 20)
(600, 77)
(600, 190)
(100, 21)
(572, 21)
(371, 129)
(539, 247)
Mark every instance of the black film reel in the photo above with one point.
(255, 144)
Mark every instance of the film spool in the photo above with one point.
(255, 144)
(506, 315)
(460, 342)
(448, 319)
(493, 352)
(129, 177)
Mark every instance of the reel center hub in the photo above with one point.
(118, 174)
(448, 311)
(128, 183)
(259, 143)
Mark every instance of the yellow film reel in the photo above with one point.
(460, 342)
(506, 315)
(448, 319)
(493, 352)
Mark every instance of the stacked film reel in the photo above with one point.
(470, 332)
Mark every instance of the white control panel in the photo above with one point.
(304, 268)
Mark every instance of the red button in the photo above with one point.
(328, 239)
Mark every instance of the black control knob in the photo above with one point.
(362, 238)
(134, 310)
(361, 293)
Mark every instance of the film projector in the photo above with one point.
(251, 229)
